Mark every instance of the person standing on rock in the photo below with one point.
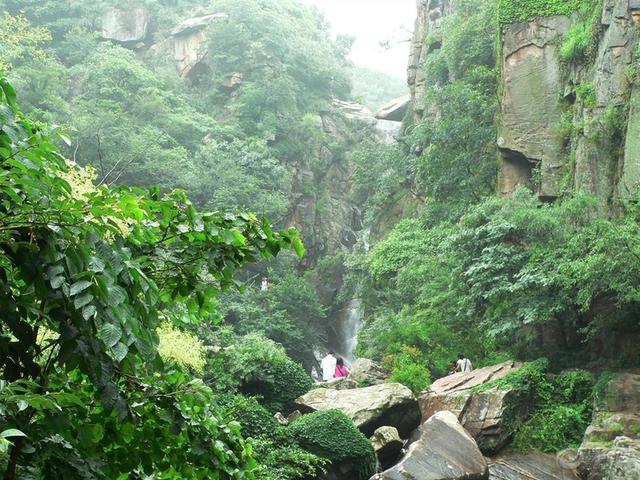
(463, 364)
(341, 369)
(328, 366)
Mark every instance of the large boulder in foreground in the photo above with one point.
(480, 412)
(611, 445)
(390, 404)
(442, 450)
(531, 466)
(366, 372)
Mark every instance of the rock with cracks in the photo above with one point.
(481, 413)
(389, 404)
(441, 450)
(532, 466)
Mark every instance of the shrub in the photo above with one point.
(408, 367)
(510, 11)
(331, 434)
(554, 428)
(575, 44)
(257, 366)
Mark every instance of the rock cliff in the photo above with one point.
(569, 117)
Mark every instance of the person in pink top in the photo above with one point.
(341, 369)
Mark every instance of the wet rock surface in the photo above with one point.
(531, 466)
(440, 450)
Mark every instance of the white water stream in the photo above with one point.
(347, 328)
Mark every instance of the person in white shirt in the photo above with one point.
(328, 366)
(463, 364)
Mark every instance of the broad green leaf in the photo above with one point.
(110, 334)
(78, 287)
(12, 432)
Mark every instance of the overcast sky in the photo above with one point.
(372, 22)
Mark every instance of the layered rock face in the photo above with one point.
(565, 124)
(531, 466)
(544, 97)
(389, 404)
(611, 445)
(440, 450)
(482, 413)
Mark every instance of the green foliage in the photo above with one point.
(257, 366)
(95, 267)
(510, 11)
(575, 43)
(586, 92)
(455, 142)
(278, 454)
(407, 367)
(331, 434)
(554, 428)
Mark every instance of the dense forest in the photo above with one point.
(196, 204)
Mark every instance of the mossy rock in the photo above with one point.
(332, 435)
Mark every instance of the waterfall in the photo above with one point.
(387, 130)
(348, 325)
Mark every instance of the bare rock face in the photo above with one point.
(387, 444)
(611, 445)
(367, 372)
(125, 25)
(441, 450)
(187, 43)
(395, 110)
(528, 136)
(481, 413)
(531, 466)
(390, 404)
(427, 36)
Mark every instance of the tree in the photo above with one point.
(85, 272)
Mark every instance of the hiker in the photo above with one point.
(341, 369)
(463, 364)
(264, 285)
(453, 367)
(328, 366)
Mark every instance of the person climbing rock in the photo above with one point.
(328, 366)
(463, 364)
(341, 369)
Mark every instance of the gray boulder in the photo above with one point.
(395, 110)
(126, 26)
(389, 404)
(387, 444)
(367, 372)
(532, 466)
(611, 445)
(481, 413)
(441, 450)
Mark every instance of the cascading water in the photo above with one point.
(387, 130)
(346, 331)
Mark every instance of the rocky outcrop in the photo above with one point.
(532, 84)
(390, 404)
(441, 450)
(427, 36)
(531, 466)
(387, 444)
(481, 413)
(563, 121)
(611, 445)
(366, 372)
(187, 44)
(395, 110)
(128, 26)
